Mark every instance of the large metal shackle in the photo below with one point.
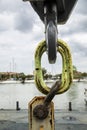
(67, 70)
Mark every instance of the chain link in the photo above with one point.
(67, 71)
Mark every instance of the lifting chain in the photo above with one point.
(67, 71)
(41, 109)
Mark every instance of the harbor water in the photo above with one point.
(23, 93)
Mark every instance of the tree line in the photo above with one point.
(46, 75)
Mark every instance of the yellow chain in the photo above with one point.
(67, 71)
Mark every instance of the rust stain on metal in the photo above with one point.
(37, 124)
(42, 127)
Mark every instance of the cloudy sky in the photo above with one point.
(21, 30)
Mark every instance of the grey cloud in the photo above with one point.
(78, 20)
(82, 50)
(3, 28)
(7, 5)
(81, 7)
(24, 22)
(6, 46)
(12, 5)
(24, 15)
(84, 25)
(25, 19)
(74, 27)
(78, 48)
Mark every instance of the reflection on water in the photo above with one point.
(73, 93)
(10, 93)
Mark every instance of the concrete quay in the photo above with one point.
(64, 120)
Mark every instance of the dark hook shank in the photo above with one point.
(52, 93)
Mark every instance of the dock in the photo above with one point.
(64, 120)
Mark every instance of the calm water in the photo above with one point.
(10, 93)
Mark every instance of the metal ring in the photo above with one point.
(67, 71)
(51, 40)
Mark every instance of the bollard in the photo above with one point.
(85, 102)
(70, 106)
(17, 106)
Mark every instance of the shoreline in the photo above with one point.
(32, 81)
